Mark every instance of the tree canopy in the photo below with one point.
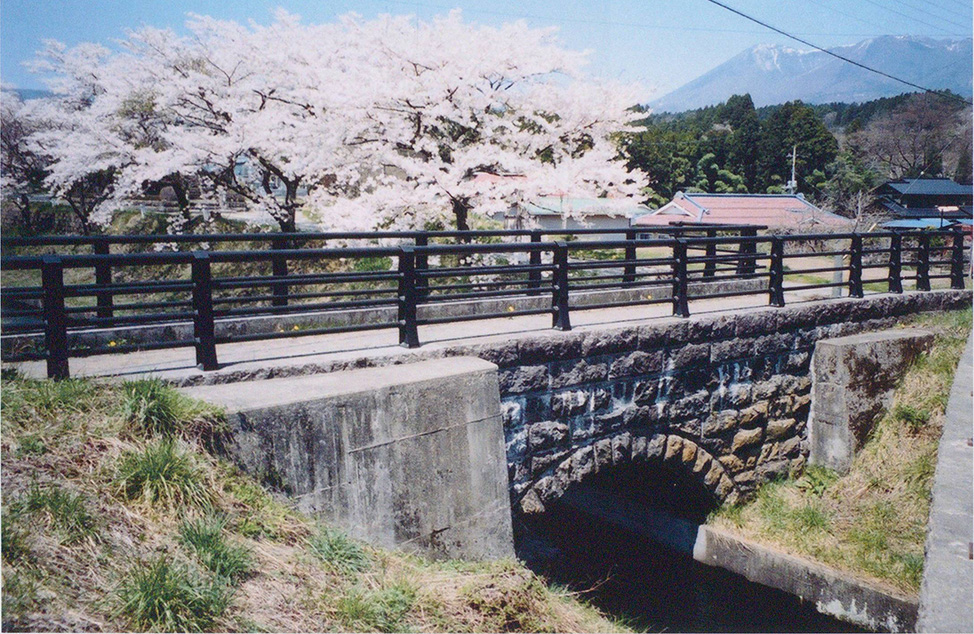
(383, 123)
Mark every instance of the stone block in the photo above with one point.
(547, 435)
(636, 363)
(621, 448)
(645, 391)
(576, 373)
(548, 348)
(528, 378)
(656, 446)
(731, 350)
(566, 404)
(754, 415)
(689, 356)
(745, 439)
(779, 428)
(674, 449)
(583, 463)
(720, 422)
(597, 343)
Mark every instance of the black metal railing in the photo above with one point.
(399, 287)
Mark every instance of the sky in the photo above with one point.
(658, 44)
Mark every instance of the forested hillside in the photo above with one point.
(843, 150)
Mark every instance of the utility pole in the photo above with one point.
(793, 184)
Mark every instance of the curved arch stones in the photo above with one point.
(627, 447)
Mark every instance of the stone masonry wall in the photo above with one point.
(728, 396)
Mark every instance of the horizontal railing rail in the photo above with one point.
(53, 304)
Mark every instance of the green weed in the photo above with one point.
(161, 595)
(381, 610)
(205, 537)
(338, 551)
(153, 408)
(66, 510)
(915, 418)
(809, 518)
(163, 474)
(19, 598)
(817, 479)
(30, 445)
(13, 539)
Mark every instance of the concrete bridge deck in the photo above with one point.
(342, 350)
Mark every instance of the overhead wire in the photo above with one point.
(914, 18)
(946, 95)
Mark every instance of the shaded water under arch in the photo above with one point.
(632, 577)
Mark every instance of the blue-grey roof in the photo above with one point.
(921, 223)
(930, 187)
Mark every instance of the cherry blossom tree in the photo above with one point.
(384, 123)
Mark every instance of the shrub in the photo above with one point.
(205, 537)
(161, 473)
(338, 551)
(153, 408)
(161, 595)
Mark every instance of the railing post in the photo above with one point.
(855, 266)
(680, 303)
(279, 271)
(710, 266)
(560, 319)
(923, 263)
(103, 277)
(629, 273)
(204, 329)
(422, 264)
(957, 261)
(408, 296)
(55, 319)
(895, 278)
(776, 279)
(534, 259)
(746, 263)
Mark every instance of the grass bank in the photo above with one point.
(872, 521)
(116, 516)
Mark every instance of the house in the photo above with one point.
(924, 202)
(789, 211)
(564, 213)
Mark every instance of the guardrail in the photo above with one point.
(208, 287)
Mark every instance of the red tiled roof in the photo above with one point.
(760, 209)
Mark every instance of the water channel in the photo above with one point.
(650, 587)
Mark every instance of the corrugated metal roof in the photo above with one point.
(774, 210)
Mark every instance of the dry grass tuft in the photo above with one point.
(116, 517)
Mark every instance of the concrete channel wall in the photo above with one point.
(411, 459)
(947, 591)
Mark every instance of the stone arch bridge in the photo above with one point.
(435, 455)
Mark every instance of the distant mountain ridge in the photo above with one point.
(775, 74)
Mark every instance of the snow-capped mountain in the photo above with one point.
(776, 74)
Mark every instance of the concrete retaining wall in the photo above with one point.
(853, 379)
(400, 457)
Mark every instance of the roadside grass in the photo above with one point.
(116, 516)
(872, 521)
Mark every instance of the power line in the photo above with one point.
(910, 17)
(837, 56)
(625, 24)
(942, 8)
